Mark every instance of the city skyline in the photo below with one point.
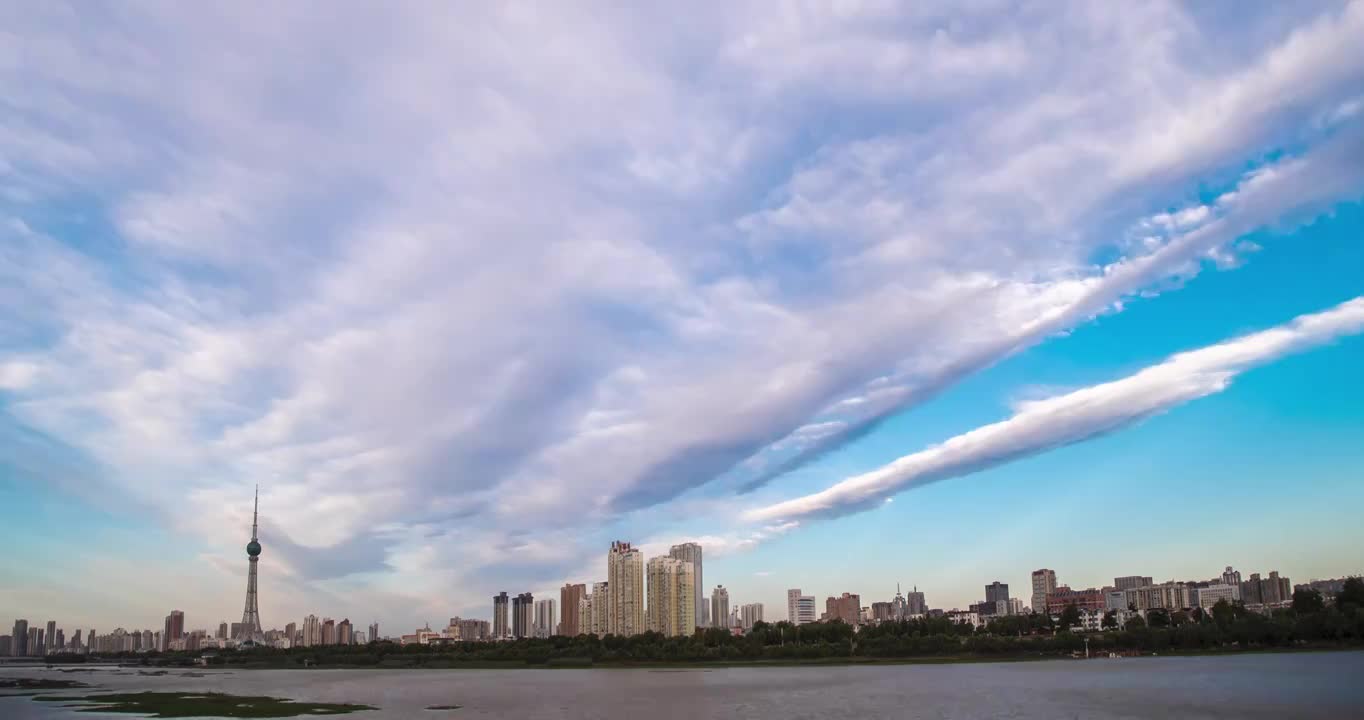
(802, 286)
(669, 594)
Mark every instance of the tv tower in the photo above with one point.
(250, 628)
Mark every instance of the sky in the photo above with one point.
(852, 293)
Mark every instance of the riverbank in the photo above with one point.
(439, 663)
(1302, 686)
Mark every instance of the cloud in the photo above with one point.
(464, 271)
(1302, 186)
(1041, 425)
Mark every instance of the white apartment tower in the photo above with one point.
(601, 608)
(585, 615)
(691, 552)
(544, 618)
(800, 609)
(625, 573)
(672, 592)
(312, 631)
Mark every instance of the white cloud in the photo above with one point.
(17, 374)
(1041, 425)
(449, 270)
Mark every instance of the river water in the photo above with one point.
(1280, 686)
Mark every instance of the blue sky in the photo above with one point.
(853, 293)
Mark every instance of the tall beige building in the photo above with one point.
(585, 616)
(1043, 582)
(691, 552)
(600, 610)
(672, 596)
(625, 573)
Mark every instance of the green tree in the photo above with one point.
(1352, 594)
(1134, 623)
(1110, 621)
(1307, 601)
(1070, 617)
(1158, 617)
(1224, 613)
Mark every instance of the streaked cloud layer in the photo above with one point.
(432, 273)
(1048, 423)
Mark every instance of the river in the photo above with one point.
(1277, 686)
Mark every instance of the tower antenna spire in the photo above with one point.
(250, 631)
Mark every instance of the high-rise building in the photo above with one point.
(800, 609)
(19, 639)
(6, 645)
(345, 633)
(625, 573)
(671, 594)
(601, 608)
(501, 628)
(1132, 582)
(996, 592)
(50, 641)
(35, 641)
(373, 635)
(691, 552)
(174, 628)
(586, 617)
(847, 608)
(40, 641)
(571, 597)
(60, 643)
(523, 607)
(312, 631)
(750, 614)
(76, 640)
(222, 631)
(1231, 577)
(1272, 590)
(251, 628)
(328, 631)
(1043, 582)
(915, 603)
(719, 606)
(544, 618)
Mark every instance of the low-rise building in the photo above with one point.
(1062, 597)
(1212, 594)
(964, 617)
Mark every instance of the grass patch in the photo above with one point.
(39, 684)
(443, 707)
(187, 704)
